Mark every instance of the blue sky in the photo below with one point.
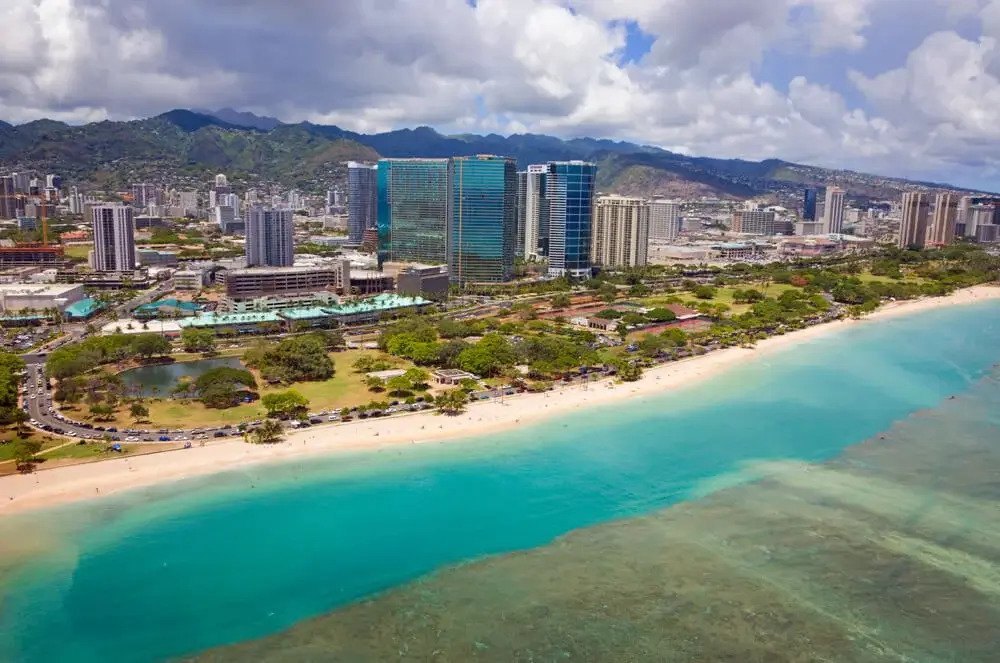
(900, 87)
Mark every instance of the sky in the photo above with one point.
(898, 87)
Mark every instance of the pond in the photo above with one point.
(158, 380)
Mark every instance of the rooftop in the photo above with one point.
(38, 289)
(222, 319)
(279, 270)
(169, 303)
(84, 308)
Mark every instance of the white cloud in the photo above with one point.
(524, 65)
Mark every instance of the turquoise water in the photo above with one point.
(158, 379)
(177, 569)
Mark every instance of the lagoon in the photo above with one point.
(157, 380)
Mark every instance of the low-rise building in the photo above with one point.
(190, 279)
(38, 296)
(156, 258)
(414, 279)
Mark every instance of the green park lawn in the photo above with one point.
(345, 389)
(78, 250)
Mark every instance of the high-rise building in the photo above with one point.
(569, 189)
(664, 220)
(942, 227)
(620, 236)
(22, 182)
(536, 212)
(8, 200)
(522, 192)
(361, 200)
(269, 240)
(833, 210)
(759, 221)
(219, 187)
(809, 199)
(482, 226)
(188, 202)
(53, 182)
(230, 223)
(114, 238)
(412, 211)
(75, 201)
(980, 214)
(145, 194)
(913, 225)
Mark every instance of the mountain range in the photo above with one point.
(189, 146)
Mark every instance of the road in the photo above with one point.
(43, 415)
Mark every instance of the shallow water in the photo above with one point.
(177, 569)
(889, 553)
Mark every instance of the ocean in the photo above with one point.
(837, 500)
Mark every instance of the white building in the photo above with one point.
(620, 233)
(536, 211)
(664, 220)
(833, 210)
(40, 297)
(114, 238)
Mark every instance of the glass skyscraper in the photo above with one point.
(360, 200)
(483, 225)
(412, 210)
(809, 204)
(569, 190)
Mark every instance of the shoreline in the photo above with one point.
(89, 481)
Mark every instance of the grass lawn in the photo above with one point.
(723, 295)
(345, 389)
(867, 277)
(78, 250)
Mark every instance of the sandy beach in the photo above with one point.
(96, 480)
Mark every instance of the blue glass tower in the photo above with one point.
(412, 210)
(809, 204)
(483, 217)
(569, 190)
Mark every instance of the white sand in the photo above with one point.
(99, 479)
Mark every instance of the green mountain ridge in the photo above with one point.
(183, 144)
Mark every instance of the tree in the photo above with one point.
(418, 378)
(268, 432)
(294, 359)
(487, 357)
(197, 340)
(363, 364)
(628, 371)
(334, 339)
(561, 300)
(703, 291)
(149, 345)
(399, 385)
(452, 401)
(286, 403)
(375, 383)
(661, 315)
(608, 292)
(139, 411)
(24, 452)
(102, 412)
